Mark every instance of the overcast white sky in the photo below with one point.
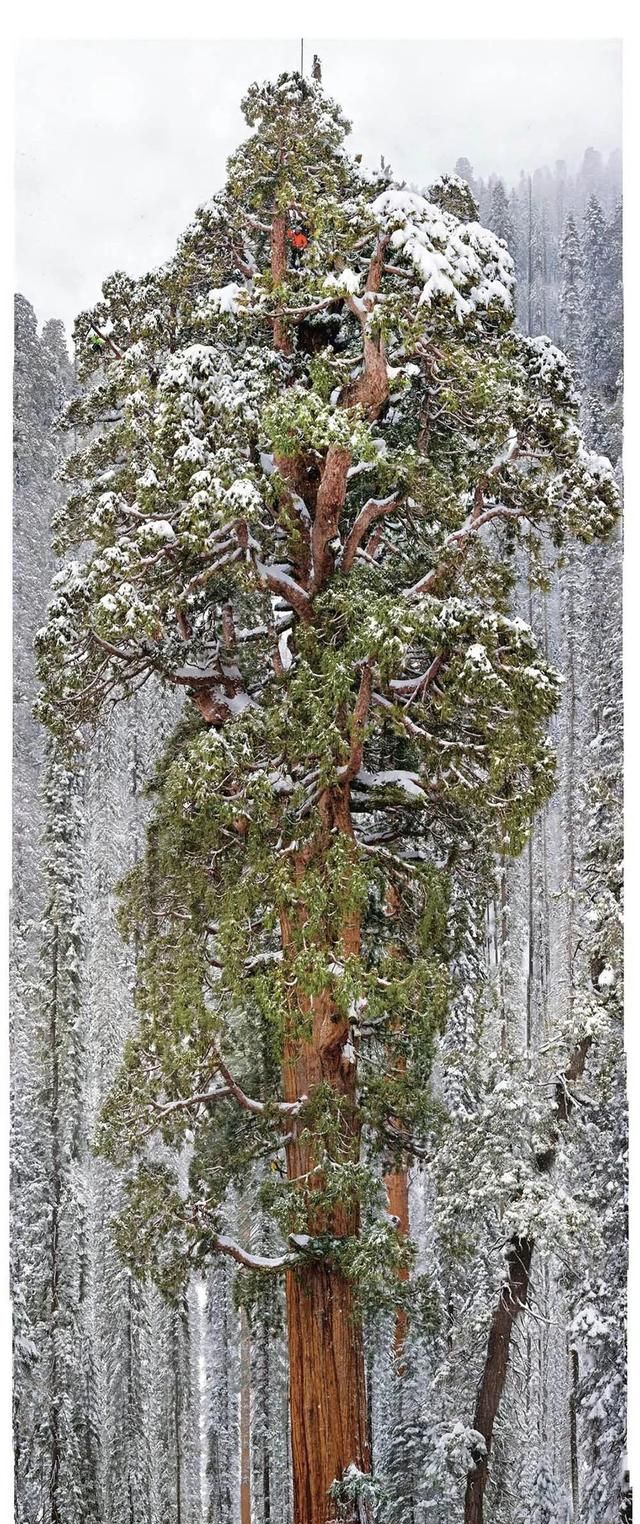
(118, 142)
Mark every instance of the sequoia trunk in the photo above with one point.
(327, 1389)
(329, 1426)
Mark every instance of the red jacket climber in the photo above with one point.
(298, 241)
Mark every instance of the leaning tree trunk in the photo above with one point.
(513, 1300)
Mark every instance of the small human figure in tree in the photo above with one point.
(298, 239)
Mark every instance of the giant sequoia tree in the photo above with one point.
(306, 472)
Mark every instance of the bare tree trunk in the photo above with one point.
(329, 1428)
(327, 1389)
(512, 1301)
(397, 1187)
(573, 1431)
(327, 1392)
(245, 1419)
(513, 1298)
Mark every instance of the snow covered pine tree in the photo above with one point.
(303, 495)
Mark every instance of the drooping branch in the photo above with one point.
(513, 1300)
(232, 552)
(275, 1111)
(397, 716)
(412, 687)
(259, 1108)
(186, 1102)
(112, 650)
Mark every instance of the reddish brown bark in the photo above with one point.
(281, 338)
(329, 504)
(397, 1187)
(374, 509)
(328, 1407)
(329, 1425)
(371, 388)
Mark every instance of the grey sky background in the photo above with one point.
(118, 142)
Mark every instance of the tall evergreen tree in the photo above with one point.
(600, 372)
(307, 478)
(69, 1441)
(54, 1443)
(572, 297)
(500, 217)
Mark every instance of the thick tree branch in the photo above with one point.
(329, 504)
(274, 1111)
(106, 339)
(287, 588)
(412, 687)
(200, 1098)
(370, 389)
(376, 508)
(253, 1261)
(358, 725)
(258, 1108)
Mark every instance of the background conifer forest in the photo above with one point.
(318, 1083)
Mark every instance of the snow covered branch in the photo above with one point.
(376, 508)
(472, 524)
(253, 1261)
(279, 582)
(258, 1108)
(410, 688)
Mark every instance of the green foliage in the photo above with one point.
(355, 1488)
(369, 722)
